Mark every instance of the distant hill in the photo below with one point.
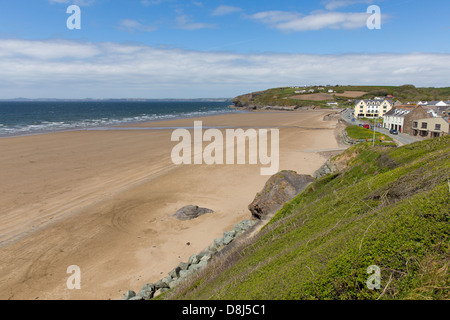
(124, 99)
(316, 96)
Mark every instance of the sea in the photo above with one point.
(35, 117)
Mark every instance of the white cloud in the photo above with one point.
(293, 21)
(147, 3)
(47, 50)
(334, 4)
(225, 10)
(134, 26)
(186, 22)
(76, 2)
(71, 69)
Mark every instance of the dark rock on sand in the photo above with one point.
(280, 188)
(191, 212)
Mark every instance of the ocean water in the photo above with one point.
(34, 117)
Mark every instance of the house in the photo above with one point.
(431, 127)
(417, 113)
(372, 108)
(437, 110)
(330, 91)
(440, 103)
(394, 118)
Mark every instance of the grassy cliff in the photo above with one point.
(388, 207)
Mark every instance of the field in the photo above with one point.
(351, 94)
(328, 96)
(314, 97)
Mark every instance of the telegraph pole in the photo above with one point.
(373, 141)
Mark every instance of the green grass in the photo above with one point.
(388, 207)
(357, 132)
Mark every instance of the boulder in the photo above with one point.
(242, 226)
(184, 273)
(206, 258)
(216, 245)
(194, 267)
(280, 188)
(202, 264)
(183, 266)
(147, 291)
(163, 283)
(204, 253)
(128, 295)
(228, 236)
(193, 259)
(191, 212)
(174, 283)
(328, 167)
(175, 272)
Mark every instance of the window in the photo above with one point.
(437, 127)
(424, 125)
(415, 124)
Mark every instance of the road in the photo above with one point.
(400, 139)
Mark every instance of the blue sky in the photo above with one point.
(216, 48)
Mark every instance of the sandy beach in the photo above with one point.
(104, 200)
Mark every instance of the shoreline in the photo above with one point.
(128, 123)
(120, 190)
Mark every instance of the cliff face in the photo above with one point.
(279, 189)
(251, 102)
(248, 101)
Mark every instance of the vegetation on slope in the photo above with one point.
(389, 207)
(282, 96)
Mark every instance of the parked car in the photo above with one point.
(366, 126)
(360, 124)
(392, 131)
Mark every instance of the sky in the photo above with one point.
(216, 48)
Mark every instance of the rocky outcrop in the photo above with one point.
(191, 212)
(332, 117)
(185, 269)
(327, 168)
(280, 188)
(255, 107)
(248, 102)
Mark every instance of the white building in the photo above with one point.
(394, 118)
(372, 108)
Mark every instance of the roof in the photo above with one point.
(436, 109)
(398, 112)
(376, 101)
